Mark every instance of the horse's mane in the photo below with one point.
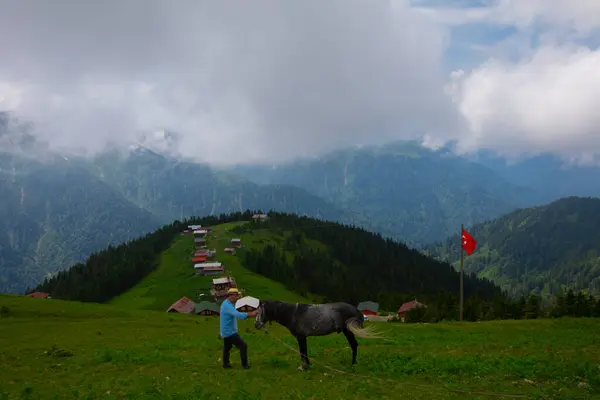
(280, 311)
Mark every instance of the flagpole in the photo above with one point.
(461, 271)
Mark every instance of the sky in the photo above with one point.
(267, 81)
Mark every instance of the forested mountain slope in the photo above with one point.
(408, 192)
(543, 248)
(172, 189)
(52, 215)
(344, 263)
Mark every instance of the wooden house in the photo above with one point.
(409, 305)
(224, 283)
(200, 233)
(368, 308)
(205, 253)
(39, 295)
(236, 242)
(199, 242)
(194, 227)
(183, 306)
(209, 268)
(207, 308)
(246, 304)
(260, 217)
(220, 287)
(229, 250)
(199, 259)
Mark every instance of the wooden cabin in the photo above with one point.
(207, 308)
(182, 306)
(247, 303)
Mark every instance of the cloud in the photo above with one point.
(268, 81)
(582, 16)
(537, 91)
(545, 103)
(236, 81)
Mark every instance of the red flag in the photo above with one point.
(468, 243)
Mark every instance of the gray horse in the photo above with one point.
(303, 320)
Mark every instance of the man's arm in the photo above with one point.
(230, 310)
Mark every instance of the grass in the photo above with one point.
(52, 349)
(175, 276)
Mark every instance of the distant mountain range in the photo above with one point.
(57, 210)
(545, 248)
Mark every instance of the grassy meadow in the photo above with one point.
(131, 349)
(53, 349)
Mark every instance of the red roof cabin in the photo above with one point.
(409, 305)
(236, 242)
(39, 295)
(199, 259)
(183, 306)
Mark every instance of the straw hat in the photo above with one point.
(233, 291)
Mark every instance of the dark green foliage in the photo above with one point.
(545, 249)
(114, 270)
(356, 265)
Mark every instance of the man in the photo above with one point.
(229, 331)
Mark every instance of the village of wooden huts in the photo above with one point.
(202, 266)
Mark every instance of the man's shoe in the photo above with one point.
(246, 366)
(227, 366)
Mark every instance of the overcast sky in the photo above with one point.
(270, 80)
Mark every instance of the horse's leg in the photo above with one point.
(303, 352)
(353, 344)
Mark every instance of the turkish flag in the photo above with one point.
(468, 243)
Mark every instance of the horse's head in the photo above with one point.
(264, 313)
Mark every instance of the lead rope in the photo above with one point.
(514, 396)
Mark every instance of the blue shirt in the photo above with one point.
(228, 318)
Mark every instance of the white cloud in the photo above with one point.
(545, 103)
(529, 97)
(236, 81)
(269, 80)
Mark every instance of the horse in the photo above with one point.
(303, 320)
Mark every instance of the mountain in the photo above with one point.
(56, 210)
(549, 176)
(545, 248)
(407, 191)
(54, 214)
(172, 189)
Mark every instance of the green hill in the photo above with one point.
(53, 349)
(175, 277)
(318, 260)
(545, 249)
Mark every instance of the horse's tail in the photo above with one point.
(356, 326)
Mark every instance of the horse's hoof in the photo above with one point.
(300, 368)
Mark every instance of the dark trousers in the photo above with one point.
(237, 341)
